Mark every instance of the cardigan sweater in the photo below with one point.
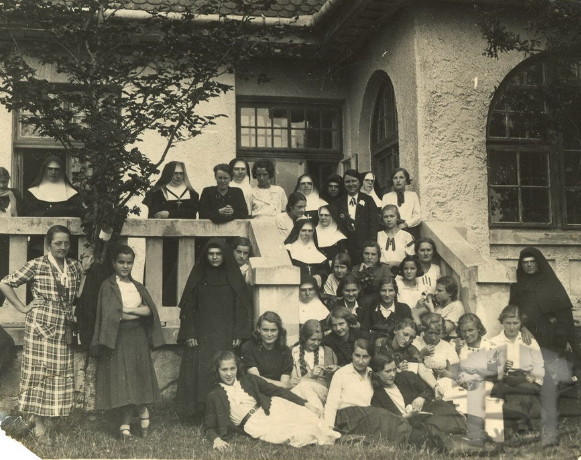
(110, 309)
(217, 422)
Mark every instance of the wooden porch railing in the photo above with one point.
(274, 282)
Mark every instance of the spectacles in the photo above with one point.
(306, 183)
(61, 244)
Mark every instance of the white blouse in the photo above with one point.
(410, 210)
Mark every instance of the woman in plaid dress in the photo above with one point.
(46, 387)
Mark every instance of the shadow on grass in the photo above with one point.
(96, 436)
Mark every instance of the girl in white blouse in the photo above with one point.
(407, 201)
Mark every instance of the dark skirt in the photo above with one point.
(126, 375)
(373, 421)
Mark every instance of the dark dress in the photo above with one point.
(185, 207)
(371, 279)
(212, 200)
(373, 320)
(34, 207)
(215, 308)
(272, 364)
(344, 349)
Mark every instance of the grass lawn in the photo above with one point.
(82, 436)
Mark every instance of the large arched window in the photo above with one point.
(384, 137)
(534, 146)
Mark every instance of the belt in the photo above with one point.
(250, 413)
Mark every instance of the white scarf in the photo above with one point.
(314, 201)
(53, 192)
(328, 236)
(305, 252)
(373, 195)
(64, 273)
(312, 310)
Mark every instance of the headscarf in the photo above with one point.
(541, 292)
(314, 201)
(233, 276)
(50, 192)
(375, 191)
(324, 190)
(328, 236)
(314, 309)
(165, 179)
(307, 253)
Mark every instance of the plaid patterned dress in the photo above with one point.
(47, 384)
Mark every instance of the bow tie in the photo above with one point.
(390, 242)
(352, 202)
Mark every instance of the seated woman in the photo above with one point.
(425, 249)
(381, 316)
(51, 194)
(313, 365)
(172, 197)
(345, 330)
(304, 252)
(406, 395)
(347, 294)
(266, 353)
(394, 243)
(310, 305)
(262, 410)
(370, 187)
(522, 373)
(406, 201)
(438, 355)
(242, 249)
(222, 203)
(333, 189)
(348, 406)
(266, 200)
(295, 209)
(10, 199)
(410, 286)
(371, 272)
(340, 266)
(444, 302)
(330, 239)
(307, 186)
(240, 174)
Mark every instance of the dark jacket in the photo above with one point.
(109, 311)
(217, 421)
(410, 386)
(372, 320)
(364, 227)
(344, 349)
(212, 200)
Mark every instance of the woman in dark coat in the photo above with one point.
(548, 316)
(172, 197)
(215, 308)
(222, 203)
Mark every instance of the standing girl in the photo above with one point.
(127, 325)
(394, 243)
(407, 202)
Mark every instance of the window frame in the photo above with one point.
(305, 153)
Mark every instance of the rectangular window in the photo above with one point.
(308, 129)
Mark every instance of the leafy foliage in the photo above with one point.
(118, 79)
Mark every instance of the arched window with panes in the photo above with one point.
(534, 146)
(384, 142)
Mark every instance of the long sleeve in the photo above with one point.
(333, 399)
(416, 212)
(271, 390)
(207, 208)
(98, 319)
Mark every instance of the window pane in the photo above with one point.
(313, 138)
(502, 168)
(573, 198)
(572, 166)
(503, 204)
(533, 169)
(313, 119)
(328, 119)
(297, 138)
(298, 118)
(534, 75)
(516, 126)
(535, 205)
(247, 137)
(497, 125)
(263, 138)
(327, 139)
(280, 138)
(279, 118)
(247, 116)
(262, 117)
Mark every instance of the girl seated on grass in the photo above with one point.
(126, 378)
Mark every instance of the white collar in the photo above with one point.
(64, 273)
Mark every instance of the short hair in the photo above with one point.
(241, 241)
(293, 199)
(342, 313)
(271, 317)
(405, 173)
(405, 322)
(364, 344)
(352, 173)
(389, 281)
(510, 311)
(433, 318)
(233, 162)
(121, 249)
(474, 319)
(342, 258)
(224, 168)
(450, 284)
(4, 174)
(224, 356)
(391, 207)
(52, 231)
(349, 278)
(430, 241)
(378, 363)
(415, 260)
(263, 163)
(371, 244)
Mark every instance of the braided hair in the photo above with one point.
(310, 328)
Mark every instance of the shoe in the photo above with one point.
(144, 429)
(125, 435)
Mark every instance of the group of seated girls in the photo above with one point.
(401, 388)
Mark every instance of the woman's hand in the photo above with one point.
(458, 344)
(226, 210)
(35, 303)
(403, 366)
(314, 409)
(192, 343)
(161, 215)
(526, 335)
(236, 342)
(530, 377)
(220, 444)
(318, 372)
(428, 350)
(418, 404)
